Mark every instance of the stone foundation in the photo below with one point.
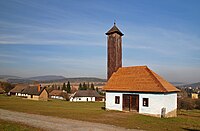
(172, 113)
(169, 114)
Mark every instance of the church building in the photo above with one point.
(135, 88)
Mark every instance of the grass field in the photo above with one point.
(186, 120)
(14, 126)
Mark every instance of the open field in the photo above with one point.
(14, 126)
(186, 120)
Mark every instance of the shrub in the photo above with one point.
(197, 102)
(186, 103)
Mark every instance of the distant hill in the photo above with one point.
(9, 77)
(177, 83)
(85, 79)
(21, 80)
(5, 78)
(48, 79)
(193, 85)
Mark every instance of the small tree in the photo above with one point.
(68, 87)
(80, 87)
(6, 86)
(64, 87)
(92, 86)
(197, 102)
(52, 86)
(84, 86)
(97, 89)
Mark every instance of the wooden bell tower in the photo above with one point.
(114, 44)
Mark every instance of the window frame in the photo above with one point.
(145, 102)
(117, 99)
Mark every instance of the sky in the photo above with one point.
(67, 37)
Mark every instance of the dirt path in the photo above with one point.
(56, 124)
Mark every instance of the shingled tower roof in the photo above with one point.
(114, 29)
(138, 79)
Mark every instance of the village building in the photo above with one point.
(136, 88)
(17, 90)
(86, 96)
(194, 95)
(36, 93)
(58, 94)
(1, 90)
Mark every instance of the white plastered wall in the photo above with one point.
(110, 101)
(157, 101)
(82, 99)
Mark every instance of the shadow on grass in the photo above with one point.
(188, 129)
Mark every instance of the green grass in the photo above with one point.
(15, 126)
(186, 120)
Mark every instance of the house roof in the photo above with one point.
(138, 79)
(114, 29)
(33, 90)
(87, 93)
(58, 93)
(19, 88)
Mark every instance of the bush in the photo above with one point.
(186, 103)
(197, 102)
(6, 86)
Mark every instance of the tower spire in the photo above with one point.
(114, 44)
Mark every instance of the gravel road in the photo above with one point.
(56, 124)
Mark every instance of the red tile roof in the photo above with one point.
(138, 79)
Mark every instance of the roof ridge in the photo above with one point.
(134, 66)
(156, 78)
(43, 88)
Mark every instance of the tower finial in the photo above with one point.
(114, 22)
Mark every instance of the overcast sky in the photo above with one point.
(67, 37)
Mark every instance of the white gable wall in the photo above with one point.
(21, 94)
(79, 99)
(156, 102)
(58, 97)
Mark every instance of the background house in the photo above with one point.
(17, 90)
(36, 93)
(58, 94)
(194, 95)
(86, 95)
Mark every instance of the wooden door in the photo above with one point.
(134, 104)
(130, 102)
(126, 102)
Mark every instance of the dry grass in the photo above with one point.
(15, 126)
(186, 120)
